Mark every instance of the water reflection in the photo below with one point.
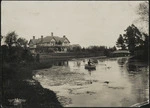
(76, 86)
(122, 61)
(89, 72)
(135, 66)
(60, 63)
(78, 63)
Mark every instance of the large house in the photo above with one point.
(47, 43)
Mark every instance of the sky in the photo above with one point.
(83, 22)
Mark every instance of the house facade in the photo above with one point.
(49, 43)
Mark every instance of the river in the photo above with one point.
(75, 86)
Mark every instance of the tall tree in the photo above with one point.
(11, 38)
(120, 42)
(1, 38)
(132, 38)
(114, 48)
(146, 46)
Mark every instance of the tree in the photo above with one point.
(0, 47)
(143, 20)
(143, 11)
(114, 48)
(132, 38)
(22, 42)
(146, 41)
(76, 49)
(120, 42)
(17, 53)
(11, 38)
(1, 38)
(146, 46)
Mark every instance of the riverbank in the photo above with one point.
(18, 83)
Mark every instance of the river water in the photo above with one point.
(76, 86)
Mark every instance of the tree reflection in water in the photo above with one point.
(90, 71)
(60, 63)
(122, 61)
(78, 63)
(134, 66)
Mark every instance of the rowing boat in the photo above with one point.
(90, 66)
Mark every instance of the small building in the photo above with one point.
(49, 42)
(120, 53)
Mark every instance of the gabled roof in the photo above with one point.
(34, 41)
(48, 39)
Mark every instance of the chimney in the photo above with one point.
(41, 37)
(33, 37)
(51, 33)
(64, 36)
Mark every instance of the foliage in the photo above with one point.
(22, 42)
(11, 38)
(75, 49)
(96, 49)
(16, 50)
(145, 47)
(132, 38)
(143, 11)
(93, 50)
(136, 41)
(120, 43)
(143, 16)
(18, 82)
(146, 41)
(114, 48)
(18, 54)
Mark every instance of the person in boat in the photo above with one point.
(89, 62)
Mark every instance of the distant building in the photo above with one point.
(49, 42)
(120, 53)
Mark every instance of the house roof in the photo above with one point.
(48, 39)
(121, 51)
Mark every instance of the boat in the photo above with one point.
(90, 66)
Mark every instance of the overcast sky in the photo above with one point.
(83, 22)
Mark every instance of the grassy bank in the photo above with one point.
(18, 83)
(66, 56)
